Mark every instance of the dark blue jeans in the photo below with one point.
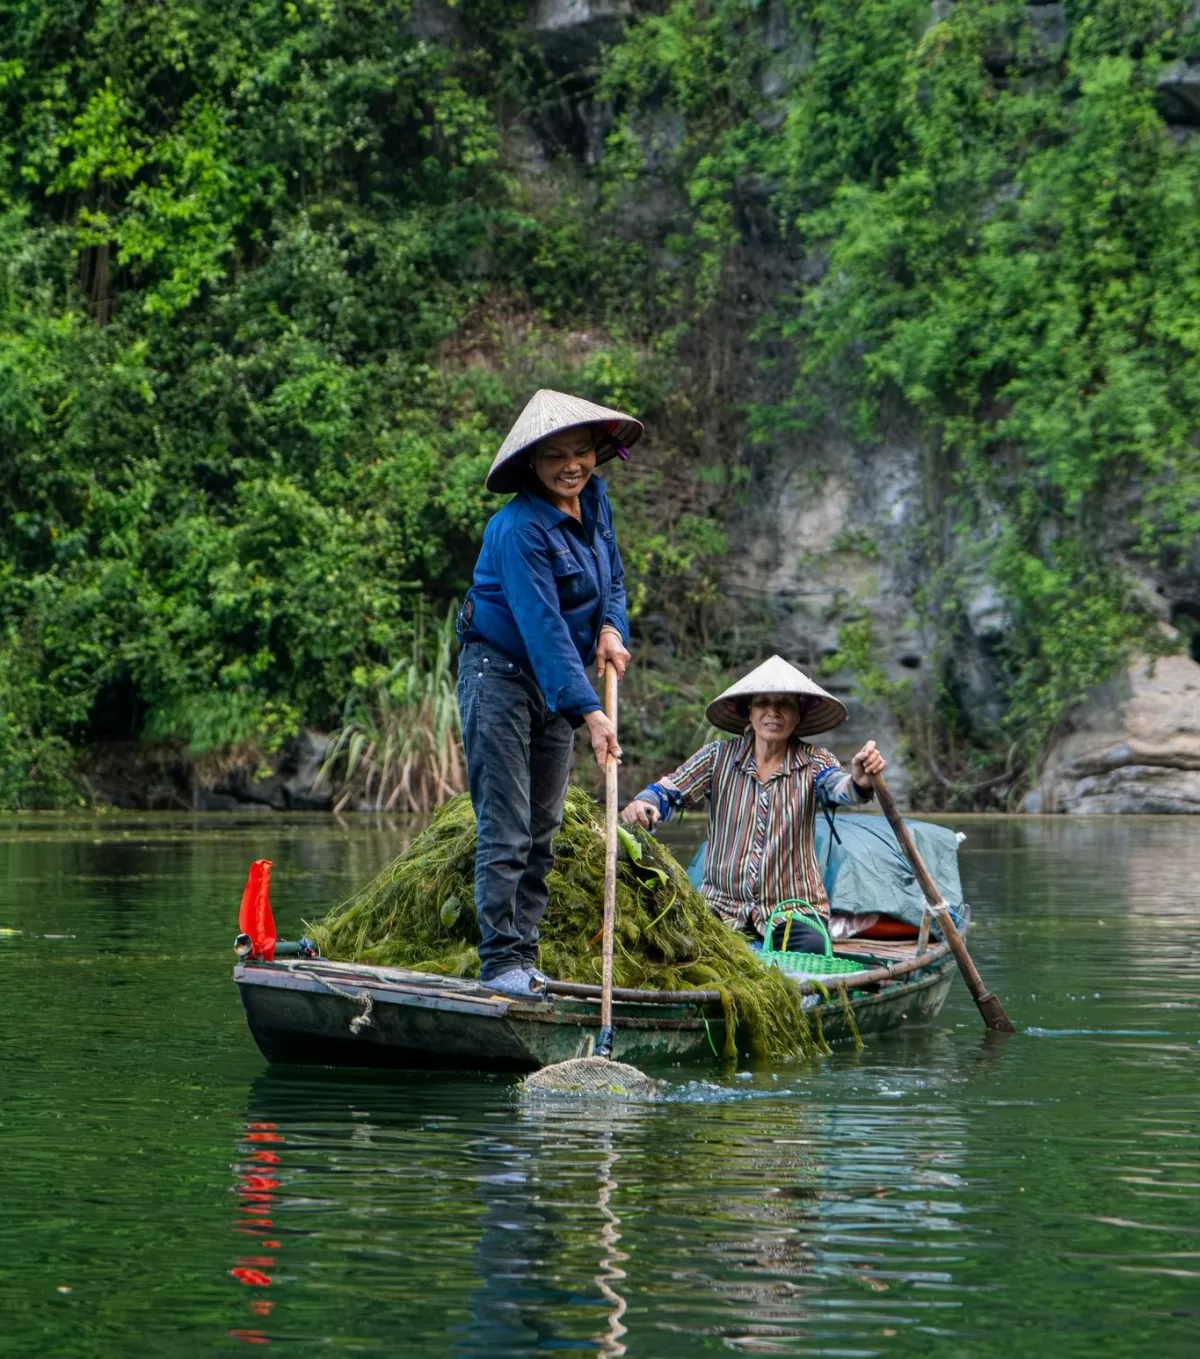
(518, 764)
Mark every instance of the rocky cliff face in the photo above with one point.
(829, 531)
(830, 539)
(823, 543)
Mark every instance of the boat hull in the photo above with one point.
(904, 1004)
(340, 1014)
(311, 1015)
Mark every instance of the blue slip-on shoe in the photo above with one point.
(517, 981)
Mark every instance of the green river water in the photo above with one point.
(162, 1192)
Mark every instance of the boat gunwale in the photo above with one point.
(866, 999)
(871, 977)
(290, 977)
(427, 990)
(409, 981)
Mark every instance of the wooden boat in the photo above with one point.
(312, 1010)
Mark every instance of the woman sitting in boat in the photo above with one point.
(764, 790)
(548, 600)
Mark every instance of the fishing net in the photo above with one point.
(419, 913)
(591, 1076)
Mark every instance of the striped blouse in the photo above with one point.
(761, 846)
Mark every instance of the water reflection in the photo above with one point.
(524, 1298)
(837, 1204)
(533, 1197)
(748, 1213)
(513, 1307)
(611, 1274)
(258, 1184)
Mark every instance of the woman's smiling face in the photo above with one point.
(564, 463)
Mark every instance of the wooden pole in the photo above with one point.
(605, 1041)
(923, 931)
(989, 1005)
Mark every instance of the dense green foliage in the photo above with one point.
(271, 286)
(233, 236)
(268, 298)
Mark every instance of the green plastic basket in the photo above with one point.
(805, 964)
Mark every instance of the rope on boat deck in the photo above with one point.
(364, 998)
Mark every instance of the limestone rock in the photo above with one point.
(1179, 93)
(435, 21)
(571, 32)
(822, 544)
(1135, 746)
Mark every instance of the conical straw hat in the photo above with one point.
(550, 412)
(819, 711)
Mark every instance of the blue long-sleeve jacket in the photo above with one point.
(545, 584)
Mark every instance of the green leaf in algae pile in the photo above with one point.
(633, 847)
(630, 844)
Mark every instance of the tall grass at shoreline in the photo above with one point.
(399, 748)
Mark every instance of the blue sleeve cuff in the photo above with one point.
(667, 800)
(823, 794)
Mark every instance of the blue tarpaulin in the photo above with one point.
(867, 872)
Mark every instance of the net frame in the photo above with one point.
(591, 1076)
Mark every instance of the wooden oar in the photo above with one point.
(604, 1044)
(989, 1005)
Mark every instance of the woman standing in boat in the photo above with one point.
(764, 790)
(548, 600)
